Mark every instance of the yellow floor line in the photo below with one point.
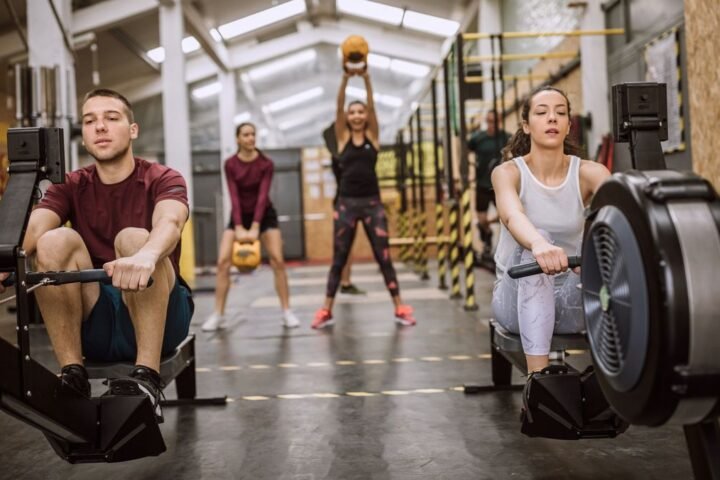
(372, 361)
(360, 394)
(388, 393)
(460, 357)
(428, 390)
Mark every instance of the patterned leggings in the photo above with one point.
(369, 210)
(537, 306)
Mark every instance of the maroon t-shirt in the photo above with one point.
(98, 211)
(249, 186)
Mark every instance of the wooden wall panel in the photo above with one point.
(702, 29)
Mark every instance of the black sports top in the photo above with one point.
(357, 164)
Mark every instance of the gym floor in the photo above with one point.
(362, 400)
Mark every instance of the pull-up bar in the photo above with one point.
(569, 33)
(521, 56)
(481, 79)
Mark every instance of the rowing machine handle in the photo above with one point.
(61, 278)
(527, 269)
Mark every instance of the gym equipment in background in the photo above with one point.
(246, 255)
(355, 51)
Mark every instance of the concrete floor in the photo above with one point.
(364, 400)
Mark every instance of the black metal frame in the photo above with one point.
(439, 192)
(103, 429)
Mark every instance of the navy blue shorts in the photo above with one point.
(108, 334)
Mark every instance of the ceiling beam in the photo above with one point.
(101, 16)
(10, 44)
(110, 13)
(197, 27)
(321, 10)
(131, 44)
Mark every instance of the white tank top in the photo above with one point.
(557, 210)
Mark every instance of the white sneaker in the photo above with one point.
(290, 320)
(214, 322)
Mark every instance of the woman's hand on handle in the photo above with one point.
(552, 259)
(240, 233)
(247, 236)
(254, 232)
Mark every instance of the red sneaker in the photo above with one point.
(403, 316)
(323, 318)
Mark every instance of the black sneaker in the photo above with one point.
(141, 381)
(75, 377)
(351, 290)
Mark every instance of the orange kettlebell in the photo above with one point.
(355, 51)
(246, 256)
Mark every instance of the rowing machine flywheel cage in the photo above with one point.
(650, 276)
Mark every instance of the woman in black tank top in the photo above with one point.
(357, 136)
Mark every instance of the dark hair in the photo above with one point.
(519, 143)
(106, 92)
(356, 102)
(244, 124)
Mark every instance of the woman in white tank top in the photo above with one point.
(540, 193)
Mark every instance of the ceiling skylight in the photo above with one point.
(430, 24)
(207, 90)
(282, 64)
(189, 44)
(371, 10)
(296, 99)
(241, 117)
(262, 19)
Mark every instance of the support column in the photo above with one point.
(176, 118)
(489, 21)
(596, 97)
(56, 102)
(228, 142)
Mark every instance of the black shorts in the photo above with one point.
(483, 197)
(269, 220)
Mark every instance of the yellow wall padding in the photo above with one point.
(187, 256)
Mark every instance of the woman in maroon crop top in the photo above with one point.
(249, 176)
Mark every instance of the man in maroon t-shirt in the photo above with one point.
(126, 216)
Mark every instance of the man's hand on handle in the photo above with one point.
(131, 273)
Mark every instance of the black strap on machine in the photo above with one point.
(640, 111)
(564, 404)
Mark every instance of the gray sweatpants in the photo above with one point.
(537, 306)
